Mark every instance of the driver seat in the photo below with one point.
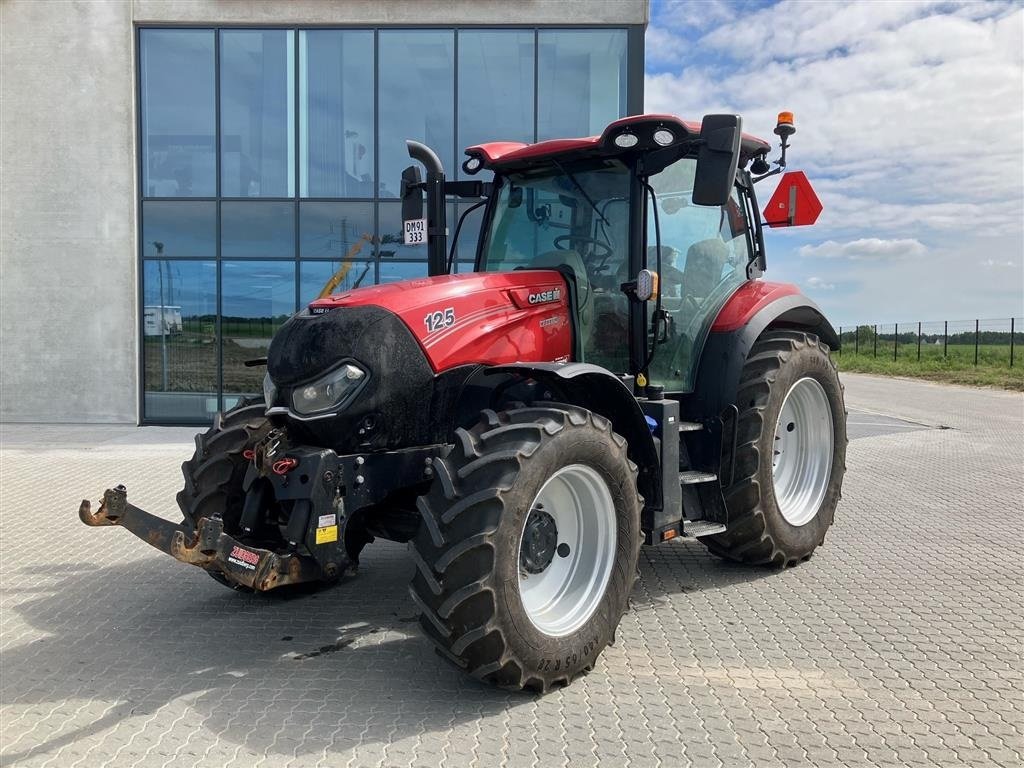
(703, 269)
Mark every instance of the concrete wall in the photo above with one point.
(392, 11)
(67, 213)
(68, 265)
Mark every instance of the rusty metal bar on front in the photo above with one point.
(115, 510)
(207, 547)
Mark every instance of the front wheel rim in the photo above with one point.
(803, 448)
(562, 586)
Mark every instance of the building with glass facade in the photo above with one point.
(265, 153)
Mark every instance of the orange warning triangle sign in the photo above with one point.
(794, 203)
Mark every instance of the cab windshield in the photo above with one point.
(577, 218)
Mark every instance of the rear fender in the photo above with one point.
(765, 306)
(599, 390)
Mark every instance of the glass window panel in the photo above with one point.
(179, 229)
(332, 230)
(495, 87)
(339, 275)
(417, 87)
(704, 253)
(396, 271)
(257, 113)
(583, 82)
(336, 129)
(256, 298)
(257, 229)
(179, 339)
(177, 95)
(391, 238)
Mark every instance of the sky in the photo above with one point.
(910, 126)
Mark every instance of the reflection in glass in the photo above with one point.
(176, 90)
(253, 229)
(257, 113)
(179, 339)
(256, 298)
(583, 82)
(333, 229)
(337, 276)
(417, 89)
(704, 254)
(336, 113)
(495, 86)
(396, 271)
(178, 228)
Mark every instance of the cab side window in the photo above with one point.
(704, 254)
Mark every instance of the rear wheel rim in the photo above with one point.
(560, 594)
(803, 448)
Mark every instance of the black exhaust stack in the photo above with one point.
(412, 204)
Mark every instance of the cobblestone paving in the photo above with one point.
(899, 643)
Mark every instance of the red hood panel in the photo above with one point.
(484, 317)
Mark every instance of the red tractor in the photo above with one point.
(613, 373)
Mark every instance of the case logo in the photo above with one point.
(543, 297)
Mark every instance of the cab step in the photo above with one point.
(691, 476)
(690, 426)
(697, 528)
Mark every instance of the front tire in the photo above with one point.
(528, 546)
(214, 474)
(790, 452)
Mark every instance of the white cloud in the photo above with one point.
(910, 119)
(696, 15)
(818, 284)
(865, 249)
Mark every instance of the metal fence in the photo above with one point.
(981, 342)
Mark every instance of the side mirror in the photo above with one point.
(412, 194)
(717, 159)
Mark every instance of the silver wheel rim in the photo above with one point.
(802, 461)
(564, 594)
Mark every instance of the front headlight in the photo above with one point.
(329, 391)
(269, 391)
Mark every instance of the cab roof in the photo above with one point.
(513, 155)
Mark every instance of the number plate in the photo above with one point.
(415, 231)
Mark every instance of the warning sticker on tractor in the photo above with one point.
(326, 520)
(327, 535)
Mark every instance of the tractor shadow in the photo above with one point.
(671, 570)
(297, 673)
(316, 671)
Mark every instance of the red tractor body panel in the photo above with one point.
(493, 318)
(510, 153)
(749, 299)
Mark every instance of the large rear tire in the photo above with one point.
(790, 453)
(528, 546)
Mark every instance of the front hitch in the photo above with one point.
(208, 547)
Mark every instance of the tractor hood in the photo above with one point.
(483, 317)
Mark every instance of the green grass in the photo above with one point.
(957, 367)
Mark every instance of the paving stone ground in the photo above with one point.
(898, 643)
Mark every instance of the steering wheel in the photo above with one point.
(601, 250)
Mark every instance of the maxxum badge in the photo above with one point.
(545, 296)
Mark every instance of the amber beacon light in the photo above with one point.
(785, 125)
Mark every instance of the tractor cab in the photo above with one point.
(653, 224)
